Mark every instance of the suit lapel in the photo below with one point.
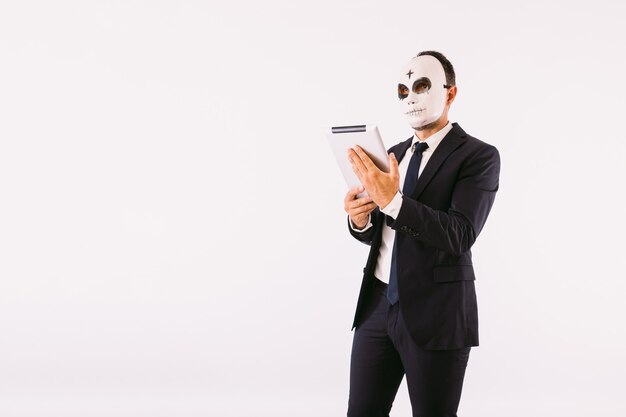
(402, 147)
(449, 143)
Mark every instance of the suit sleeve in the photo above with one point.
(456, 229)
(367, 235)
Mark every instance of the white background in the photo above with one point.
(172, 234)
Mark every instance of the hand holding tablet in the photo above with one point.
(381, 186)
(368, 138)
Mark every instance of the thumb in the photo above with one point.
(393, 165)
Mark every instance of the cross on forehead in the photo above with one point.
(409, 74)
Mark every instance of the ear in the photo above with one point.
(451, 95)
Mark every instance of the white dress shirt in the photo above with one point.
(383, 264)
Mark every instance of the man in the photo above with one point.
(417, 313)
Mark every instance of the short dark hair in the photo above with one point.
(447, 66)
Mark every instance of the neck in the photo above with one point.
(430, 129)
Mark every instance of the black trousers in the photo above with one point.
(383, 352)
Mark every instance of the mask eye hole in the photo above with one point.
(422, 85)
(403, 91)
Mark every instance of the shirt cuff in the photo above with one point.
(393, 208)
(367, 226)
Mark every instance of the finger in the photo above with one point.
(358, 166)
(367, 207)
(353, 192)
(363, 209)
(393, 165)
(351, 205)
(351, 197)
(359, 202)
(367, 162)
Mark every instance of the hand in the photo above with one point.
(358, 209)
(381, 186)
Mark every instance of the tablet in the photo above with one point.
(368, 138)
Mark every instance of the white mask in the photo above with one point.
(422, 91)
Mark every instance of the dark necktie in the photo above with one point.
(410, 181)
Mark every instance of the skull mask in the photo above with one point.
(422, 91)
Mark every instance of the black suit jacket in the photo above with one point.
(435, 230)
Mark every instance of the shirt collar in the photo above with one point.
(435, 139)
